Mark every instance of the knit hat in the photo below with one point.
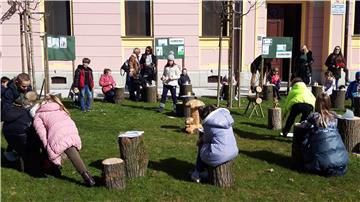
(171, 57)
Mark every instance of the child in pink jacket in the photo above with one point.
(58, 133)
(108, 85)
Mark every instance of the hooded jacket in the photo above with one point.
(57, 131)
(219, 143)
(353, 87)
(299, 94)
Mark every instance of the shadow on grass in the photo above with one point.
(270, 157)
(256, 125)
(254, 136)
(173, 128)
(97, 164)
(177, 168)
(140, 107)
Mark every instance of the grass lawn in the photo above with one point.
(172, 154)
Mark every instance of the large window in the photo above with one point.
(137, 18)
(211, 12)
(58, 17)
(357, 18)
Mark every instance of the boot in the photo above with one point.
(88, 179)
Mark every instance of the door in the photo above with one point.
(275, 27)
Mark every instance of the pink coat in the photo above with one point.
(56, 130)
(106, 82)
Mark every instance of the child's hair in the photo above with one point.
(322, 106)
(86, 60)
(106, 70)
(53, 98)
(4, 79)
(206, 110)
(296, 80)
(328, 74)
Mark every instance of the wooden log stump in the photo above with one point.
(268, 92)
(338, 99)
(150, 94)
(185, 89)
(356, 103)
(119, 95)
(274, 118)
(114, 173)
(316, 90)
(185, 99)
(135, 155)
(222, 175)
(349, 131)
(298, 138)
(179, 109)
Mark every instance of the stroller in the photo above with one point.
(74, 96)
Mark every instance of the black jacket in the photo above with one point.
(183, 79)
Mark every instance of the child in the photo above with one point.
(108, 85)
(170, 76)
(274, 79)
(4, 81)
(225, 87)
(217, 144)
(329, 83)
(58, 133)
(323, 151)
(354, 89)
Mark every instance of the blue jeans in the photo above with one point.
(85, 105)
(172, 89)
(109, 96)
(200, 165)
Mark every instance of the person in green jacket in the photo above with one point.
(299, 101)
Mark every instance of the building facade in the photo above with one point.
(107, 31)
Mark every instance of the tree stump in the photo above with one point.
(274, 118)
(356, 103)
(338, 99)
(185, 99)
(119, 95)
(114, 173)
(349, 131)
(268, 92)
(135, 155)
(222, 175)
(185, 89)
(316, 90)
(150, 94)
(179, 109)
(298, 138)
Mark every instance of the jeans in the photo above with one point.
(109, 96)
(166, 88)
(200, 165)
(85, 105)
(299, 108)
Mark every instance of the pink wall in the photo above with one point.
(316, 27)
(249, 37)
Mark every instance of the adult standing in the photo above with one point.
(135, 81)
(256, 67)
(148, 63)
(335, 62)
(85, 83)
(303, 65)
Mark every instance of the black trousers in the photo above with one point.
(299, 108)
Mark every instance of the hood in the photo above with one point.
(220, 118)
(357, 76)
(299, 85)
(50, 106)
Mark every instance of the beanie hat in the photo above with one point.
(171, 57)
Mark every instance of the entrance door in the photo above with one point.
(284, 20)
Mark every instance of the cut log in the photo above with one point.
(254, 98)
(338, 99)
(222, 175)
(258, 89)
(179, 109)
(185, 89)
(349, 131)
(268, 92)
(150, 94)
(135, 155)
(185, 99)
(316, 90)
(119, 95)
(298, 138)
(356, 103)
(274, 118)
(114, 173)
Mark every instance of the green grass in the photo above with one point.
(172, 154)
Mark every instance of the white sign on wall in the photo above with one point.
(338, 9)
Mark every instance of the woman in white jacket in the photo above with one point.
(170, 76)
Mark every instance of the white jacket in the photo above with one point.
(171, 75)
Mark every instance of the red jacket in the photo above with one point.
(107, 83)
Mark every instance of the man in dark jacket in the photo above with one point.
(84, 83)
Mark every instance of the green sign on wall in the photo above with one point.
(163, 47)
(61, 48)
(277, 47)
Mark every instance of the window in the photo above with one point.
(357, 18)
(211, 11)
(137, 18)
(58, 17)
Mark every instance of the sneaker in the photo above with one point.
(160, 109)
(10, 156)
(195, 176)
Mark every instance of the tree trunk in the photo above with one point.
(274, 118)
(356, 103)
(119, 95)
(28, 15)
(349, 131)
(222, 175)
(298, 138)
(338, 99)
(134, 153)
(316, 90)
(114, 173)
(185, 89)
(268, 92)
(150, 94)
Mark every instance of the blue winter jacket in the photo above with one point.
(219, 144)
(323, 150)
(352, 87)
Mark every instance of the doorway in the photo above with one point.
(284, 20)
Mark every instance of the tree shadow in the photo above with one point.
(256, 125)
(140, 107)
(270, 157)
(174, 167)
(254, 136)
